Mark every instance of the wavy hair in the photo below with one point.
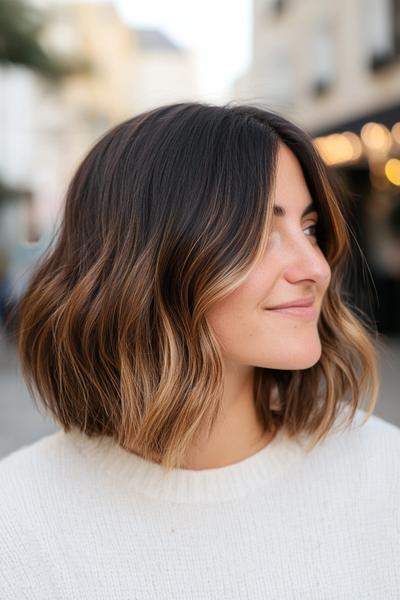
(167, 214)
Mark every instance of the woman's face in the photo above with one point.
(292, 268)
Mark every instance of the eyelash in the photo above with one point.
(315, 227)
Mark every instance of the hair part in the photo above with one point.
(167, 214)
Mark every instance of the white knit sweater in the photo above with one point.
(82, 519)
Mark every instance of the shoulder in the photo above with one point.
(42, 487)
(29, 488)
(363, 454)
(38, 476)
(26, 471)
(381, 438)
(30, 459)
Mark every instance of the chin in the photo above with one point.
(294, 359)
(305, 364)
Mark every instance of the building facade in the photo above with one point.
(334, 69)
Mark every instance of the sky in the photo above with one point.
(218, 31)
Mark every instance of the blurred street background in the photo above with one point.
(70, 70)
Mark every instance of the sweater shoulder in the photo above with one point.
(374, 432)
(368, 445)
(27, 486)
(31, 455)
(30, 471)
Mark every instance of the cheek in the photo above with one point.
(236, 318)
(244, 303)
(228, 316)
(250, 336)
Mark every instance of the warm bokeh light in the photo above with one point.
(339, 148)
(392, 170)
(376, 137)
(396, 133)
(356, 144)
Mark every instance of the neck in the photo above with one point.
(237, 434)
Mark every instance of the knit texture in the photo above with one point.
(84, 518)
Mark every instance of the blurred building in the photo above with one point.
(334, 68)
(47, 127)
(163, 72)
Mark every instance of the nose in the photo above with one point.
(306, 261)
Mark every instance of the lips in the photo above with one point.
(302, 308)
(300, 302)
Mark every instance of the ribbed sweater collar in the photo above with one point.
(209, 486)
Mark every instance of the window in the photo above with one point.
(382, 19)
(322, 57)
(278, 7)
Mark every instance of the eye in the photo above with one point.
(314, 229)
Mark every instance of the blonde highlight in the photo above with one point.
(167, 214)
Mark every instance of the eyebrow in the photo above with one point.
(279, 211)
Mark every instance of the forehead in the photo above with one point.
(290, 189)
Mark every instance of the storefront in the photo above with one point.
(364, 154)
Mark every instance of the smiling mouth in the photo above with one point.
(302, 312)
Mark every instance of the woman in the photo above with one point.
(201, 451)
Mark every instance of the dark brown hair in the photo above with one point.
(166, 215)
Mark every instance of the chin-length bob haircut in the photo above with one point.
(167, 214)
